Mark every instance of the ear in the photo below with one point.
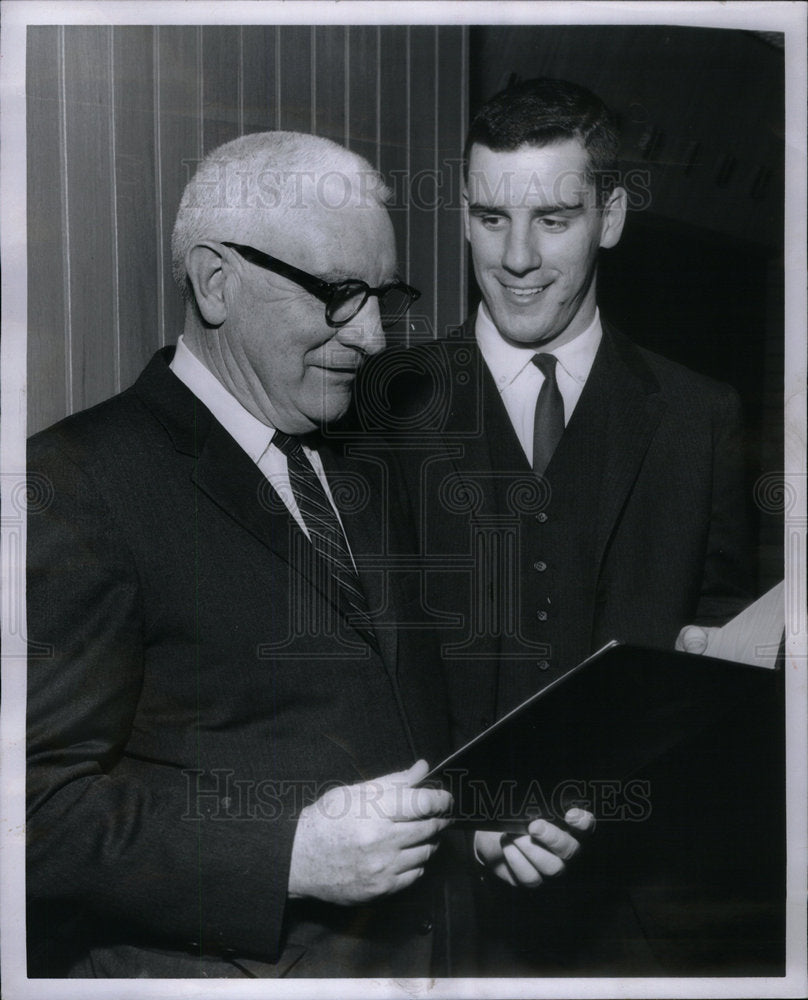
(205, 270)
(614, 217)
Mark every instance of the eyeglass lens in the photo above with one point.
(349, 300)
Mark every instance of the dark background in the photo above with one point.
(118, 116)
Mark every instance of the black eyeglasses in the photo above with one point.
(343, 299)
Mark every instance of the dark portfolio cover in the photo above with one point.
(622, 714)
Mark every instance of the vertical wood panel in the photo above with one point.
(258, 72)
(393, 109)
(180, 135)
(136, 201)
(90, 217)
(295, 71)
(329, 83)
(363, 93)
(450, 133)
(47, 329)
(221, 91)
(423, 251)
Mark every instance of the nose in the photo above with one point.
(364, 332)
(521, 252)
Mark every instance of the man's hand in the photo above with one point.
(694, 638)
(361, 841)
(528, 859)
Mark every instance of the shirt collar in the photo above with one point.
(245, 429)
(507, 361)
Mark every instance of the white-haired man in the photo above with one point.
(224, 743)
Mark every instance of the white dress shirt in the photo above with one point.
(518, 380)
(246, 430)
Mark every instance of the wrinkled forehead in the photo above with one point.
(543, 177)
(328, 222)
(352, 240)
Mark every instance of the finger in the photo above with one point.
(501, 870)
(523, 870)
(559, 842)
(546, 863)
(408, 833)
(419, 803)
(406, 879)
(548, 837)
(417, 772)
(692, 639)
(415, 857)
(580, 819)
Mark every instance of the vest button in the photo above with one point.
(541, 517)
(543, 664)
(425, 926)
(542, 616)
(540, 565)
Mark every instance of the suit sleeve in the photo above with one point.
(112, 835)
(727, 582)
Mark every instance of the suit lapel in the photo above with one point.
(234, 482)
(479, 424)
(227, 475)
(610, 432)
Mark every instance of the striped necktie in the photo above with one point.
(325, 533)
(548, 419)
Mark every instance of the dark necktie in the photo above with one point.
(548, 420)
(325, 532)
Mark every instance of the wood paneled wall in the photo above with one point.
(118, 117)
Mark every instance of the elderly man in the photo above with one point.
(225, 738)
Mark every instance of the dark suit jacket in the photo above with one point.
(192, 687)
(638, 527)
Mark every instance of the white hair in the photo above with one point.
(239, 186)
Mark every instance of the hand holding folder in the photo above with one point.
(542, 851)
(751, 637)
(586, 739)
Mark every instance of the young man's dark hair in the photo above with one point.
(544, 111)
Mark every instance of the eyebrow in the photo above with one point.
(480, 208)
(335, 277)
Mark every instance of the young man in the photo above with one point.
(571, 487)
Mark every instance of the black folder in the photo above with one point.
(589, 737)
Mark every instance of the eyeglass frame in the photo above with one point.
(324, 290)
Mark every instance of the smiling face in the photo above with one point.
(535, 229)
(284, 363)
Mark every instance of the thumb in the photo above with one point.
(416, 773)
(694, 639)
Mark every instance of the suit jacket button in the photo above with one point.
(425, 926)
(542, 616)
(540, 565)
(543, 664)
(541, 517)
